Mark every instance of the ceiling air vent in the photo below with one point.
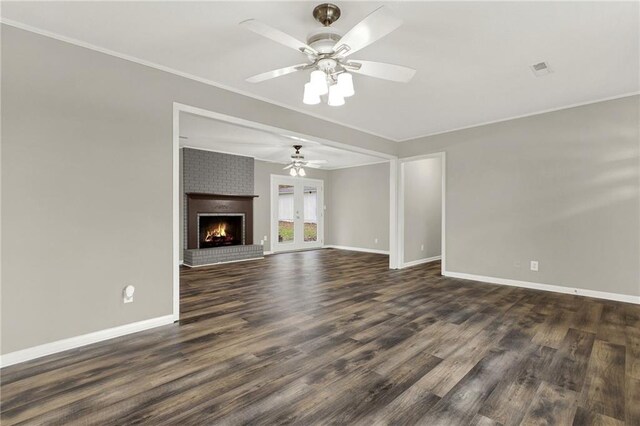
(541, 69)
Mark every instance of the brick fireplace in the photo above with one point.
(217, 208)
(219, 229)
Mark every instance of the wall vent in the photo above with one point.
(541, 69)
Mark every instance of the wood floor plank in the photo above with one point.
(480, 420)
(406, 409)
(512, 396)
(553, 330)
(604, 389)
(570, 361)
(551, 405)
(633, 352)
(611, 327)
(585, 417)
(331, 336)
(632, 403)
(461, 404)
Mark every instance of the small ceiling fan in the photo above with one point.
(327, 51)
(298, 163)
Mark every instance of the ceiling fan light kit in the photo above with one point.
(298, 163)
(318, 82)
(311, 96)
(327, 50)
(345, 84)
(297, 171)
(335, 96)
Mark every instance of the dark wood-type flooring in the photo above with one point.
(334, 337)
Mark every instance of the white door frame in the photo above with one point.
(273, 226)
(394, 215)
(401, 196)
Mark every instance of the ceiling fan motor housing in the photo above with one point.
(324, 39)
(326, 13)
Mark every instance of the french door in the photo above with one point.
(297, 213)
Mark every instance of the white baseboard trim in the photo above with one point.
(85, 339)
(267, 253)
(364, 250)
(421, 261)
(547, 287)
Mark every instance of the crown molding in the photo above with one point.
(531, 114)
(264, 160)
(139, 61)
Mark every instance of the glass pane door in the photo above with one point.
(286, 215)
(297, 213)
(310, 214)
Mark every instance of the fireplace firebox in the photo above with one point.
(218, 214)
(218, 230)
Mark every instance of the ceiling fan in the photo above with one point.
(298, 163)
(328, 51)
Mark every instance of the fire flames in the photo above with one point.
(217, 232)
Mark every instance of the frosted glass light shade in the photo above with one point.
(335, 96)
(301, 172)
(310, 96)
(293, 172)
(319, 82)
(345, 83)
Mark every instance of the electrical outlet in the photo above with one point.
(127, 294)
(422, 247)
(265, 238)
(261, 242)
(534, 265)
(375, 240)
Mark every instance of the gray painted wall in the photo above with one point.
(359, 201)
(561, 188)
(422, 209)
(262, 205)
(87, 184)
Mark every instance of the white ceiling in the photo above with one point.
(214, 135)
(472, 58)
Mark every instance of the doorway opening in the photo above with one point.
(421, 210)
(262, 150)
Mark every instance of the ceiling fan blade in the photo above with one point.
(278, 36)
(373, 27)
(288, 167)
(313, 166)
(276, 73)
(316, 161)
(381, 70)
